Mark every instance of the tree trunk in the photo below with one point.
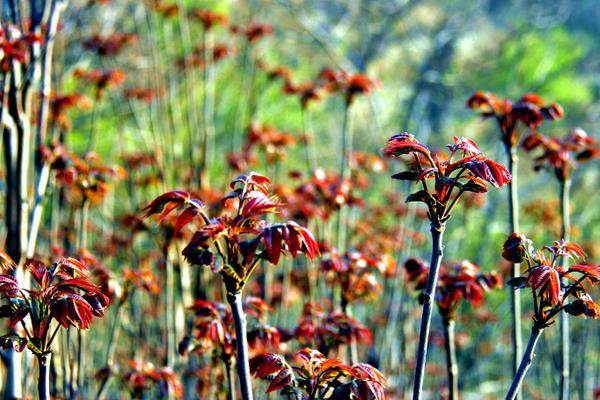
(437, 233)
(243, 363)
(515, 387)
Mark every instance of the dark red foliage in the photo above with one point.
(62, 292)
(461, 281)
(243, 239)
(516, 248)
(528, 112)
(140, 378)
(268, 140)
(544, 273)
(253, 31)
(329, 331)
(472, 172)
(6, 263)
(316, 375)
(208, 18)
(356, 274)
(167, 9)
(319, 196)
(16, 47)
(562, 154)
(171, 201)
(101, 79)
(60, 104)
(85, 179)
(109, 45)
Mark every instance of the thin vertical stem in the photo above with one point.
(169, 307)
(565, 372)
(437, 251)
(451, 363)
(346, 144)
(243, 362)
(201, 173)
(309, 147)
(515, 295)
(344, 174)
(44, 377)
(525, 364)
(230, 380)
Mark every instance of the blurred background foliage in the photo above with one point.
(428, 57)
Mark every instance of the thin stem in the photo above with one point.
(515, 295)
(243, 363)
(346, 145)
(565, 373)
(515, 387)
(230, 380)
(451, 363)
(114, 332)
(309, 148)
(437, 233)
(44, 376)
(170, 307)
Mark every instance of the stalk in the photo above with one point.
(515, 387)
(344, 173)
(515, 295)
(565, 186)
(230, 380)
(80, 349)
(243, 363)
(346, 145)
(170, 307)
(44, 377)
(309, 148)
(206, 113)
(437, 251)
(114, 332)
(451, 363)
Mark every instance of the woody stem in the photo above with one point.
(513, 206)
(243, 362)
(515, 387)
(451, 363)
(437, 233)
(565, 186)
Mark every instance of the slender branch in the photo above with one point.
(564, 317)
(451, 363)
(515, 387)
(515, 296)
(44, 376)
(243, 363)
(230, 380)
(437, 233)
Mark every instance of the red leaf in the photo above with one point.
(467, 145)
(490, 171)
(6, 263)
(404, 143)
(9, 287)
(185, 218)
(272, 241)
(175, 199)
(267, 364)
(591, 271)
(516, 248)
(281, 380)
